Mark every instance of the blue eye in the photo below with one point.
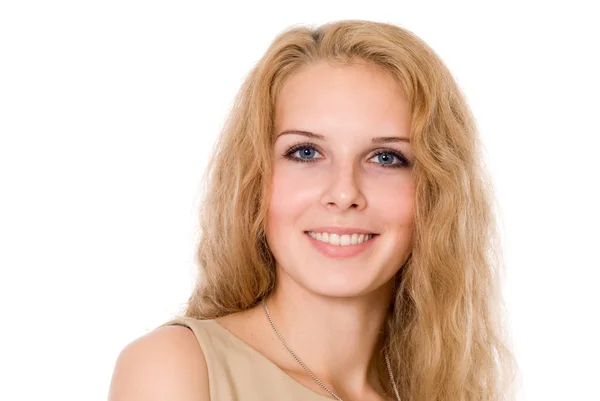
(307, 153)
(387, 158)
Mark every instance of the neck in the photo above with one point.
(338, 339)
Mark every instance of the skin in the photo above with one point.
(330, 311)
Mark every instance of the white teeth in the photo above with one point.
(341, 240)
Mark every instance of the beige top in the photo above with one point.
(237, 372)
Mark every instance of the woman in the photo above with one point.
(348, 238)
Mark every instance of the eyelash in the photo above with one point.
(296, 147)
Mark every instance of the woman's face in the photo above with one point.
(341, 165)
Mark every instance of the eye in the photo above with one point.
(386, 157)
(306, 153)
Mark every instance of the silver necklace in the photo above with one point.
(387, 361)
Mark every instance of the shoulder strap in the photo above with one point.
(220, 378)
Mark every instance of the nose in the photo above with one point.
(343, 189)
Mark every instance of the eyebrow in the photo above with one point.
(379, 139)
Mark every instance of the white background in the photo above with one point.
(108, 110)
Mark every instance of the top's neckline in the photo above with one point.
(268, 361)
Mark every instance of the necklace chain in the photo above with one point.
(387, 361)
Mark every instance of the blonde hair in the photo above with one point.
(445, 334)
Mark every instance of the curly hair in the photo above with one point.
(446, 333)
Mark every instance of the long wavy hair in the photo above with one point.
(446, 334)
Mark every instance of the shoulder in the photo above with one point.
(165, 364)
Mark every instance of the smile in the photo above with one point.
(344, 246)
(342, 240)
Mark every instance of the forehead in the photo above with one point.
(348, 100)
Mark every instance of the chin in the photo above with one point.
(339, 285)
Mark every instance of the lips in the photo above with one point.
(341, 251)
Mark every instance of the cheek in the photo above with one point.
(395, 201)
(292, 193)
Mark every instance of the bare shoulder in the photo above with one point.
(165, 364)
